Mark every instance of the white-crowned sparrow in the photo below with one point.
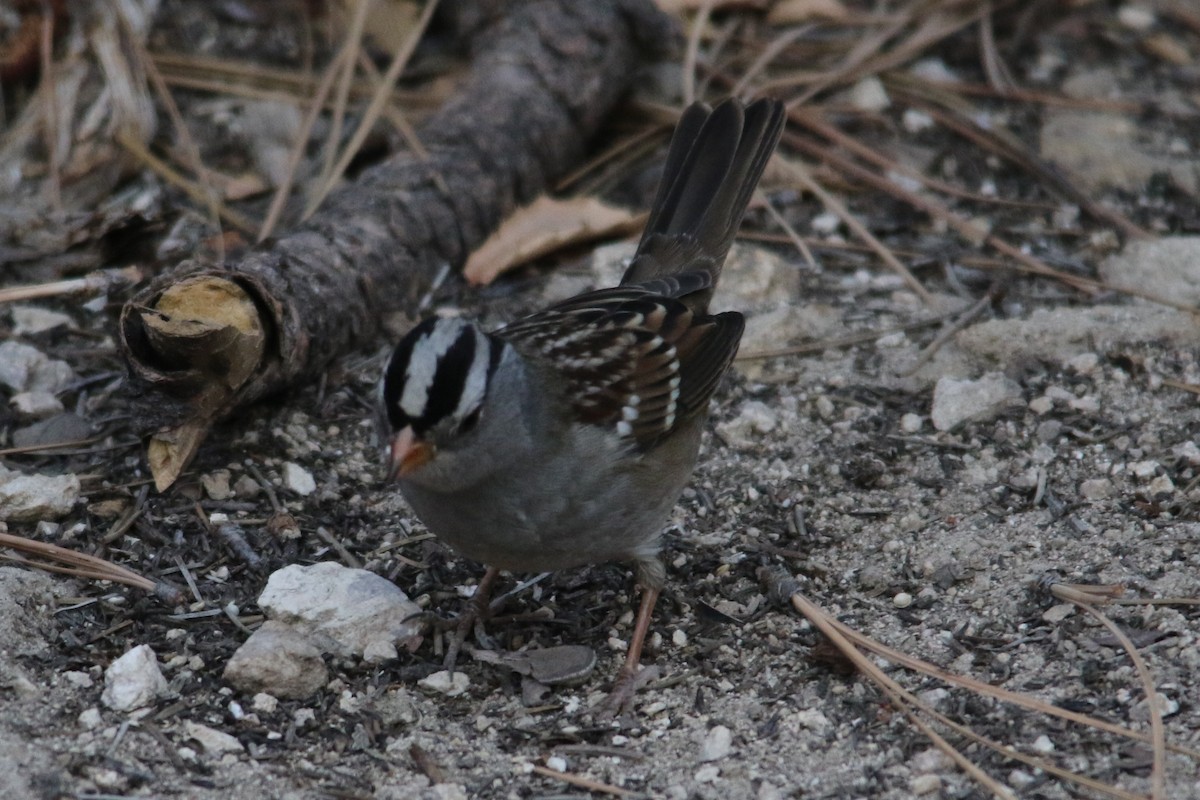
(565, 438)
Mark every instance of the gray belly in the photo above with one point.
(564, 512)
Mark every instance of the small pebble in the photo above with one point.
(924, 784)
(442, 683)
(717, 744)
(298, 479)
(557, 763)
(679, 638)
(1041, 405)
(902, 600)
(911, 423)
(1043, 745)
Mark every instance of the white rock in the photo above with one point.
(869, 95)
(32, 319)
(1143, 469)
(557, 763)
(915, 121)
(754, 419)
(90, 719)
(958, 401)
(36, 405)
(1084, 363)
(708, 773)
(29, 498)
(718, 743)
(1059, 612)
(279, 661)
(211, 739)
(26, 369)
(1136, 17)
(825, 223)
(216, 484)
(343, 609)
(1041, 405)
(379, 650)
(1043, 745)
(924, 784)
(133, 680)
(911, 423)
(265, 703)
(78, 679)
(1096, 488)
(1189, 452)
(443, 683)
(679, 638)
(298, 479)
(902, 600)
(1161, 485)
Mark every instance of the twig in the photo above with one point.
(95, 283)
(399, 62)
(590, 784)
(965, 319)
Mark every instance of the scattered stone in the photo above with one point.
(869, 94)
(1166, 706)
(378, 651)
(825, 224)
(754, 419)
(1057, 613)
(717, 744)
(1144, 470)
(1167, 267)
(911, 423)
(29, 498)
(1189, 452)
(1041, 405)
(708, 773)
(902, 600)
(216, 484)
(1060, 334)
(922, 785)
(90, 719)
(212, 740)
(60, 428)
(566, 664)
(246, 488)
(1108, 149)
(443, 682)
(1136, 17)
(1043, 745)
(26, 369)
(557, 763)
(1161, 485)
(30, 320)
(1084, 363)
(298, 479)
(264, 703)
(1096, 488)
(958, 401)
(679, 638)
(36, 405)
(78, 679)
(133, 680)
(278, 660)
(342, 609)
(915, 121)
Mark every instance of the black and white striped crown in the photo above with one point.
(439, 372)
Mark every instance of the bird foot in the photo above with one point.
(620, 699)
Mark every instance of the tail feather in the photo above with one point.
(713, 166)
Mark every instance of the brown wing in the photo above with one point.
(633, 357)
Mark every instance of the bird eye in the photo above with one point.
(469, 421)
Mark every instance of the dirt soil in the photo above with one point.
(823, 463)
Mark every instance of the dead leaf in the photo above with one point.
(389, 23)
(544, 226)
(790, 12)
(171, 450)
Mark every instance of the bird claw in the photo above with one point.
(620, 699)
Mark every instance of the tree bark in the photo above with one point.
(543, 76)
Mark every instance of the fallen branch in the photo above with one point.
(543, 77)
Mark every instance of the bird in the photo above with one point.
(564, 438)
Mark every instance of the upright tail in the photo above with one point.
(714, 163)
